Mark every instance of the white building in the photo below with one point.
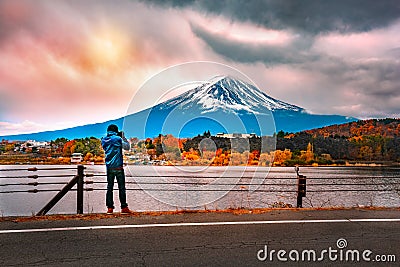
(236, 135)
(76, 157)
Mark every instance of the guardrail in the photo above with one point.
(286, 185)
(77, 180)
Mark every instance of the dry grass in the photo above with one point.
(97, 216)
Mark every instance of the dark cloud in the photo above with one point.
(372, 85)
(312, 16)
(363, 86)
(381, 78)
(246, 52)
(394, 52)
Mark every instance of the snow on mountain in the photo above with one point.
(229, 95)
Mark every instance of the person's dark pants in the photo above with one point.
(120, 175)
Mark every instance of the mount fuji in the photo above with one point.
(222, 104)
(229, 95)
(226, 104)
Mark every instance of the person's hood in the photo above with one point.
(109, 133)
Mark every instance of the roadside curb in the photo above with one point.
(238, 212)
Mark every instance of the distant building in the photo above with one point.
(236, 135)
(22, 146)
(139, 156)
(76, 157)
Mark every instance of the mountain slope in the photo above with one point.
(223, 104)
(229, 95)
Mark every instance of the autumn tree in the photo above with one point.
(57, 145)
(88, 157)
(280, 156)
(265, 159)
(191, 155)
(308, 155)
(69, 148)
(79, 148)
(149, 144)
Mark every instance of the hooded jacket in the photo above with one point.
(113, 145)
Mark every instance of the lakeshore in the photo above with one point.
(30, 159)
(171, 188)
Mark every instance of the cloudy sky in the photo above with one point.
(68, 63)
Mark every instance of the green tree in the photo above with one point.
(80, 148)
(281, 134)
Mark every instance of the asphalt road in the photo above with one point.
(207, 240)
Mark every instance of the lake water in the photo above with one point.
(155, 188)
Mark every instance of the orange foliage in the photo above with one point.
(171, 141)
(69, 148)
(280, 156)
(382, 127)
(190, 155)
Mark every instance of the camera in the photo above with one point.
(120, 134)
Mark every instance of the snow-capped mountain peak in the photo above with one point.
(229, 95)
(219, 100)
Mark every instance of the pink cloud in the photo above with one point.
(244, 32)
(374, 43)
(56, 67)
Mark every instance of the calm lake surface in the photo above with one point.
(155, 188)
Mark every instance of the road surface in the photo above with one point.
(208, 239)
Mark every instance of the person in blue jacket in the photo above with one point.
(113, 144)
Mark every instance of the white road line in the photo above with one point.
(99, 227)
